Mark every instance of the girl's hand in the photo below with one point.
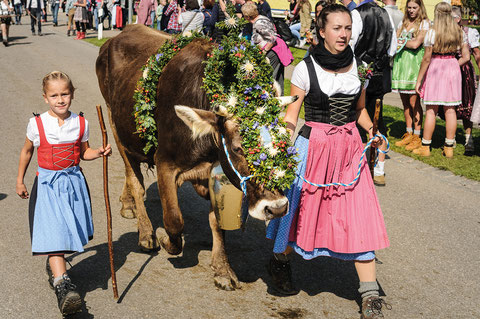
(417, 88)
(107, 151)
(21, 190)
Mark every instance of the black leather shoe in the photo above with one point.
(69, 300)
(281, 273)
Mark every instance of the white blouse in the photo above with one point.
(67, 133)
(330, 83)
(430, 38)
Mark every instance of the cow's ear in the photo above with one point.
(201, 122)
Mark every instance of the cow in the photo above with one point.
(189, 140)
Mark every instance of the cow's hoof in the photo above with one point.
(127, 213)
(227, 283)
(149, 243)
(173, 248)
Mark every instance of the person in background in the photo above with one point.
(344, 223)
(70, 8)
(159, 13)
(349, 4)
(464, 111)
(439, 81)
(144, 12)
(312, 37)
(55, 8)
(264, 9)
(17, 5)
(173, 11)
(375, 42)
(393, 11)
(81, 18)
(406, 64)
(5, 20)
(192, 18)
(35, 8)
(208, 22)
(218, 14)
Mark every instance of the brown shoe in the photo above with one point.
(379, 180)
(372, 307)
(423, 150)
(448, 151)
(406, 138)
(416, 142)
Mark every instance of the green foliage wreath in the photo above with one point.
(238, 78)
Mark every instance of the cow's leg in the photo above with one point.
(224, 276)
(132, 197)
(172, 216)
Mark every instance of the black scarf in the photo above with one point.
(330, 61)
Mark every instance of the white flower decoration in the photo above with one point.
(247, 67)
(260, 110)
(231, 22)
(269, 145)
(279, 173)
(282, 130)
(187, 34)
(145, 73)
(272, 151)
(232, 100)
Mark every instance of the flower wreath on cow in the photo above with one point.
(237, 81)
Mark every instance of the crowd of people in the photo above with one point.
(418, 58)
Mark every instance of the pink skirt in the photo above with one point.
(341, 219)
(442, 84)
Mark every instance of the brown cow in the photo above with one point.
(189, 140)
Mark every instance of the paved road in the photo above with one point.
(430, 271)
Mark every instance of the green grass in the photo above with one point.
(298, 55)
(459, 164)
(96, 42)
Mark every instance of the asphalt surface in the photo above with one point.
(430, 271)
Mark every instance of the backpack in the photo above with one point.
(283, 29)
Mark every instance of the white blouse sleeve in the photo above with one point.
(429, 38)
(300, 77)
(473, 38)
(424, 26)
(86, 133)
(32, 132)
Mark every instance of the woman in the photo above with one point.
(5, 20)
(192, 19)
(339, 222)
(406, 65)
(265, 36)
(144, 12)
(303, 10)
(439, 81)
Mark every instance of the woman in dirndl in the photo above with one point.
(343, 222)
(5, 20)
(406, 65)
(81, 18)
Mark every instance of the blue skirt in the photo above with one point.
(279, 229)
(60, 212)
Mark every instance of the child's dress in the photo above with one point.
(60, 210)
(81, 14)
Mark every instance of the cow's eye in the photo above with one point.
(238, 150)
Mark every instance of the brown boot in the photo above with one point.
(372, 307)
(448, 151)
(416, 142)
(423, 150)
(406, 138)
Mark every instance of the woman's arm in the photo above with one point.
(291, 115)
(88, 154)
(25, 157)
(416, 42)
(465, 54)
(423, 68)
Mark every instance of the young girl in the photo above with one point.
(81, 18)
(442, 82)
(406, 65)
(59, 210)
(339, 222)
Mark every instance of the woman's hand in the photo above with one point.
(21, 190)
(377, 141)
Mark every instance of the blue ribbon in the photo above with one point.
(243, 179)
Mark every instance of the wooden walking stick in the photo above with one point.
(373, 150)
(107, 202)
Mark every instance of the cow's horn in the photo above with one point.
(286, 100)
(220, 110)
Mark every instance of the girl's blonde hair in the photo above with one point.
(448, 35)
(422, 15)
(57, 75)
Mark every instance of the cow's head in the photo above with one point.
(264, 204)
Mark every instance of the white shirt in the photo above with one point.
(430, 38)
(191, 20)
(330, 83)
(357, 28)
(473, 38)
(67, 133)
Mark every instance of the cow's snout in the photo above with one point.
(269, 209)
(276, 211)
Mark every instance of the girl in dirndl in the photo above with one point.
(60, 209)
(410, 34)
(81, 18)
(343, 222)
(439, 81)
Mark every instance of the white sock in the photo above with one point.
(468, 139)
(426, 142)
(379, 169)
(449, 142)
(417, 132)
(409, 130)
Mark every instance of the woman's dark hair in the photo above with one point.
(330, 8)
(208, 4)
(192, 5)
(322, 3)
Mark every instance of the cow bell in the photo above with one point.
(226, 200)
